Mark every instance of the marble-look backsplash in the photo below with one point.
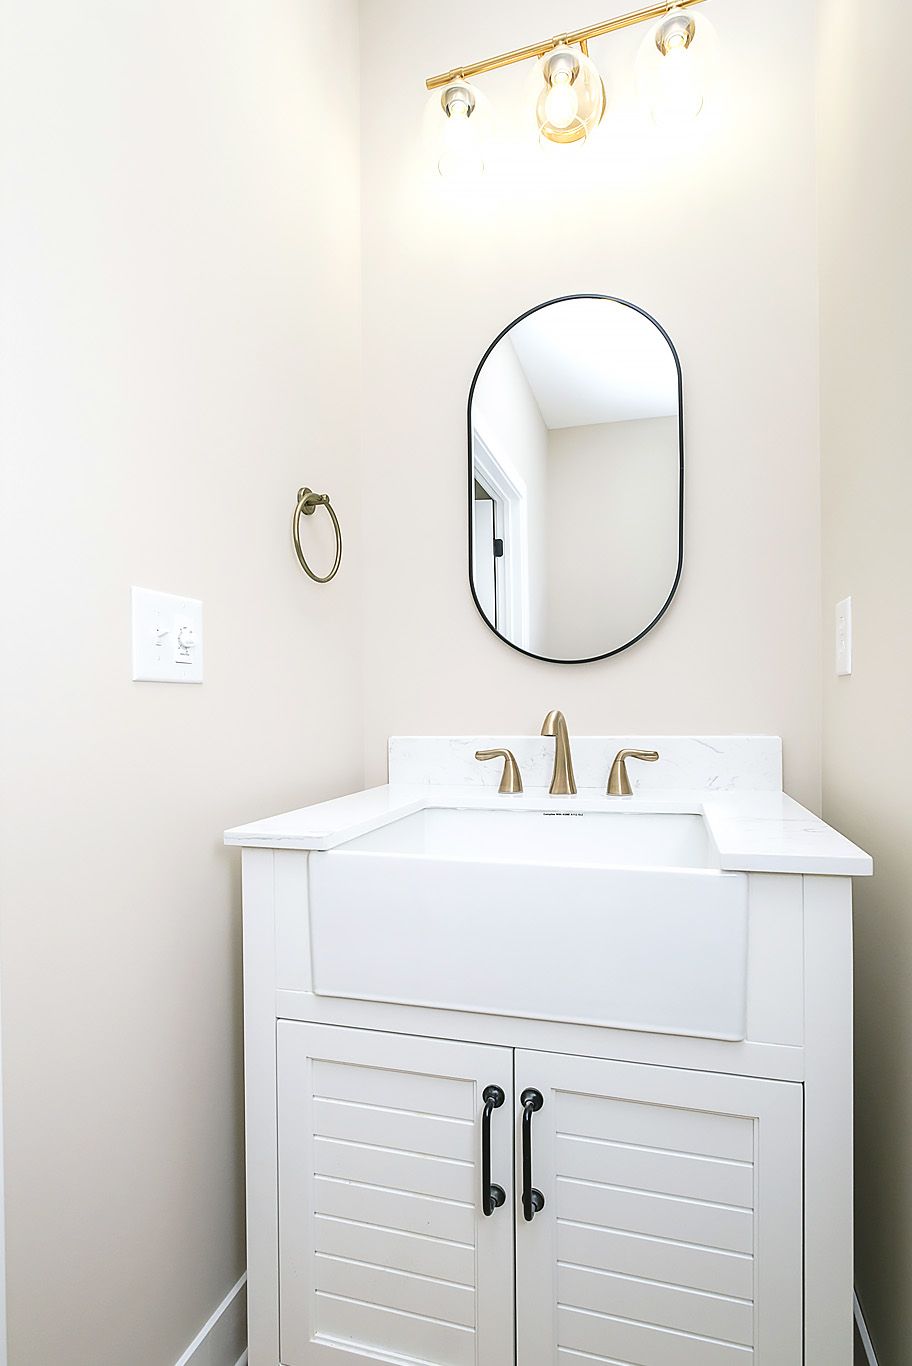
(714, 763)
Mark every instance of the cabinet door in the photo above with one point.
(385, 1253)
(672, 1225)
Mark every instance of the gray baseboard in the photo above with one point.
(863, 1333)
(222, 1340)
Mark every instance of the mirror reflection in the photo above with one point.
(576, 478)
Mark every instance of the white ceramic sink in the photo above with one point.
(616, 918)
(609, 839)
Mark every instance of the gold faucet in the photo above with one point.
(619, 780)
(563, 783)
(511, 782)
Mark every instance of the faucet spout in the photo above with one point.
(563, 783)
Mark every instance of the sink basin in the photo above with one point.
(591, 839)
(617, 918)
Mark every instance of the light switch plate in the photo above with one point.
(844, 637)
(167, 638)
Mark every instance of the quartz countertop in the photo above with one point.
(753, 831)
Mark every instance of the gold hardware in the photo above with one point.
(578, 37)
(563, 783)
(307, 504)
(511, 782)
(619, 782)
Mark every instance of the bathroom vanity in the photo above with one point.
(558, 1080)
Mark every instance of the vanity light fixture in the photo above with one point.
(570, 99)
(674, 34)
(673, 67)
(461, 151)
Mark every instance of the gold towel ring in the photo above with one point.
(308, 502)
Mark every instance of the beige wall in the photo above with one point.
(866, 364)
(179, 275)
(613, 523)
(714, 235)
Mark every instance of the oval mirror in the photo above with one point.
(576, 479)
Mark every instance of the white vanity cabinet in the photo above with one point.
(662, 1235)
(384, 1251)
(671, 1230)
(670, 1146)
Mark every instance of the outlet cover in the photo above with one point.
(844, 638)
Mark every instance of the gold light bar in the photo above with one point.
(581, 36)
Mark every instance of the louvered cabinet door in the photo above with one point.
(671, 1233)
(385, 1253)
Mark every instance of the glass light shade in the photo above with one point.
(463, 127)
(569, 96)
(675, 67)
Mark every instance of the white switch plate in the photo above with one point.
(167, 638)
(844, 637)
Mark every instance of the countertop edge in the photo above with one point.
(747, 834)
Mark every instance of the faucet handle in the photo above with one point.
(511, 782)
(619, 781)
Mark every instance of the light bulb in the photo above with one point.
(561, 103)
(680, 97)
(460, 157)
(569, 95)
(674, 67)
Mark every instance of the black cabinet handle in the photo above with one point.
(492, 1196)
(533, 1201)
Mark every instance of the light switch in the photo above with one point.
(186, 645)
(844, 637)
(167, 638)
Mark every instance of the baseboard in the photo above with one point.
(863, 1333)
(222, 1340)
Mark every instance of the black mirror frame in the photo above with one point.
(548, 303)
